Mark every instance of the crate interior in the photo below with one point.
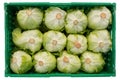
(11, 10)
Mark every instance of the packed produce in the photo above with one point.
(44, 62)
(30, 18)
(55, 18)
(99, 18)
(76, 21)
(99, 41)
(76, 44)
(31, 39)
(61, 40)
(20, 62)
(68, 63)
(54, 41)
(92, 62)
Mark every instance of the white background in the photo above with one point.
(2, 43)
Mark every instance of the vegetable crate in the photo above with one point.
(11, 10)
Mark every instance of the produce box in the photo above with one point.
(11, 10)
